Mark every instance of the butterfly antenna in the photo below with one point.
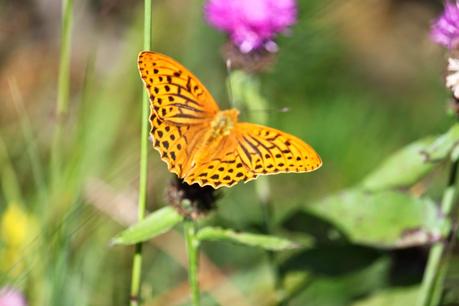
(229, 86)
(284, 109)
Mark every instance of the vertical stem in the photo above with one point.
(436, 252)
(192, 248)
(134, 298)
(137, 260)
(63, 87)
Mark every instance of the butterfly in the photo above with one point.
(205, 145)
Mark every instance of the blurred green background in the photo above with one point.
(361, 79)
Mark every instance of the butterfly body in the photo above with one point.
(205, 145)
(223, 123)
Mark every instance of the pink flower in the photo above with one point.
(11, 297)
(445, 29)
(251, 24)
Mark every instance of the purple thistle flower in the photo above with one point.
(251, 24)
(445, 29)
(11, 297)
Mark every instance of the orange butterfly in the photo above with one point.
(205, 145)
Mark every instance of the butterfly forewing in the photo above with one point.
(268, 151)
(176, 95)
(253, 150)
(181, 108)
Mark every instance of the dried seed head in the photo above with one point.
(191, 201)
(258, 60)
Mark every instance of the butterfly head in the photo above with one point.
(224, 122)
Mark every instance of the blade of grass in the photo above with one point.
(31, 147)
(137, 260)
(63, 88)
(8, 177)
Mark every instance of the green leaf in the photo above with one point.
(153, 225)
(391, 296)
(383, 219)
(256, 240)
(323, 277)
(402, 169)
(443, 145)
(414, 161)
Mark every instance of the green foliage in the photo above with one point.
(443, 145)
(403, 168)
(385, 219)
(355, 246)
(393, 296)
(153, 225)
(316, 276)
(254, 240)
(376, 215)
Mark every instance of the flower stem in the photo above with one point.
(192, 247)
(436, 252)
(142, 198)
(63, 88)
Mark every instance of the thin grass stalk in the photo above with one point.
(30, 140)
(63, 88)
(435, 255)
(142, 197)
(192, 248)
(9, 181)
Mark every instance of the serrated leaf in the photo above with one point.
(153, 225)
(388, 219)
(266, 242)
(402, 169)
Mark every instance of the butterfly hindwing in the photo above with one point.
(223, 166)
(172, 142)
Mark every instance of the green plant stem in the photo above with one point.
(192, 247)
(436, 252)
(63, 88)
(137, 260)
(136, 276)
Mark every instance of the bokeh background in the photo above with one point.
(361, 79)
